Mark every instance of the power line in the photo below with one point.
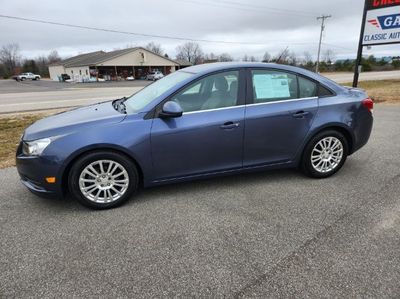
(269, 8)
(142, 34)
(250, 7)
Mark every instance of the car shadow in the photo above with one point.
(203, 185)
(173, 190)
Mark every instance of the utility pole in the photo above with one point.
(323, 18)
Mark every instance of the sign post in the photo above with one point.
(380, 26)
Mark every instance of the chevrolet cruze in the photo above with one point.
(201, 121)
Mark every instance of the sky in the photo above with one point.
(251, 27)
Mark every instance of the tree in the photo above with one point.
(190, 52)
(308, 61)
(210, 57)
(292, 59)
(396, 63)
(225, 57)
(329, 56)
(30, 66)
(53, 57)
(267, 57)
(156, 48)
(42, 65)
(252, 59)
(282, 56)
(245, 58)
(10, 58)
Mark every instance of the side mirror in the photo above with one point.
(171, 109)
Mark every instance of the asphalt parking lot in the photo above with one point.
(12, 86)
(269, 234)
(46, 94)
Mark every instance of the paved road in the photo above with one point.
(35, 95)
(272, 234)
(348, 77)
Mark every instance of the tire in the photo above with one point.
(88, 183)
(332, 156)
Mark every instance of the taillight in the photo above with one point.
(369, 104)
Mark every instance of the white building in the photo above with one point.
(115, 65)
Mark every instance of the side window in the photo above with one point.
(324, 92)
(307, 88)
(270, 86)
(212, 92)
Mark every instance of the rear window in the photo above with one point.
(307, 88)
(324, 92)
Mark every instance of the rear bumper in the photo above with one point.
(363, 131)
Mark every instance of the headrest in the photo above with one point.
(221, 84)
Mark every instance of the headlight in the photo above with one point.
(36, 147)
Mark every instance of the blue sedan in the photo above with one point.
(201, 121)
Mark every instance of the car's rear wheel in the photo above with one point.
(103, 180)
(325, 154)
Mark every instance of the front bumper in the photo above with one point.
(33, 172)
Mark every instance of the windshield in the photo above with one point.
(139, 100)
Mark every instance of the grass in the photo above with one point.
(12, 127)
(385, 91)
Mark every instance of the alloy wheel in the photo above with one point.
(327, 154)
(103, 181)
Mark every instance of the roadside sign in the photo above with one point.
(380, 26)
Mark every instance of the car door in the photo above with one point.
(280, 111)
(208, 137)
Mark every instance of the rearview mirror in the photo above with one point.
(171, 109)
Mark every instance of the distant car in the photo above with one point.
(64, 77)
(202, 121)
(26, 76)
(130, 78)
(155, 75)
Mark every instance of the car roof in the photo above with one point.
(203, 69)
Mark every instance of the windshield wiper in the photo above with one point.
(119, 105)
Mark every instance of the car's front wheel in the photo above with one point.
(325, 154)
(103, 180)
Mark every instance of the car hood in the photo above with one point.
(74, 120)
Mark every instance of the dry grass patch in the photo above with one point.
(11, 129)
(385, 91)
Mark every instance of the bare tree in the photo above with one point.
(329, 56)
(210, 57)
(292, 59)
(156, 48)
(252, 59)
(190, 52)
(245, 58)
(267, 57)
(53, 57)
(308, 61)
(283, 56)
(10, 58)
(307, 57)
(42, 63)
(225, 57)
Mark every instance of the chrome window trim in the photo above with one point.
(249, 105)
(283, 101)
(215, 109)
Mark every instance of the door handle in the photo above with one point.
(300, 114)
(229, 125)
